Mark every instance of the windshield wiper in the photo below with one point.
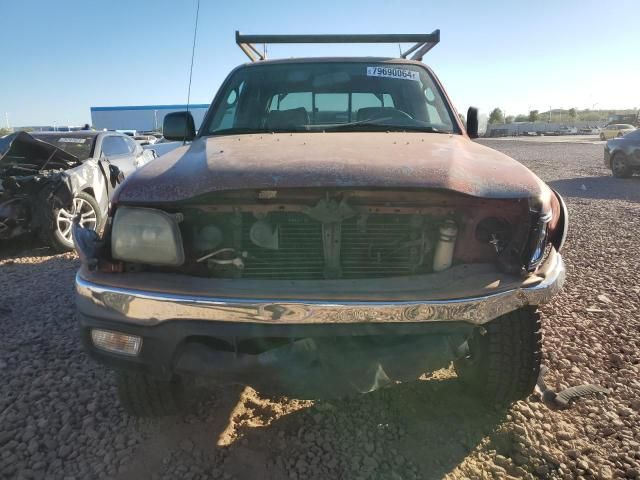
(374, 126)
(236, 130)
(364, 126)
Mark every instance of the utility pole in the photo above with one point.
(593, 107)
(549, 113)
(6, 117)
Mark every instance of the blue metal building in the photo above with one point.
(140, 117)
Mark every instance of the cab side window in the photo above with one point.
(291, 101)
(364, 100)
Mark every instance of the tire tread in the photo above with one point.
(509, 363)
(143, 396)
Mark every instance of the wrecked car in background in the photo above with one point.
(47, 178)
(162, 146)
(331, 228)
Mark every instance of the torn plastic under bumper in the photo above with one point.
(305, 361)
(324, 366)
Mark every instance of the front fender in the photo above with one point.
(88, 177)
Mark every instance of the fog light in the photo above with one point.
(116, 342)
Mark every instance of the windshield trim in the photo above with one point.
(458, 128)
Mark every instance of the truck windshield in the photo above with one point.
(331, 96)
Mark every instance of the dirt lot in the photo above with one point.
(60, 418)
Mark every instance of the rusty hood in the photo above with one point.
(336, 159)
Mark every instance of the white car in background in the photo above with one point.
(162, 146)
(590, 130)
(143, 140)
(564, 130)
(616, 130)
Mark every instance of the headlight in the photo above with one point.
(146, 235)
(537, 243)
(558, 235)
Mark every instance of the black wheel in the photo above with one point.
(90, 217)
(502, 361)
(619, 167)
(143, 396)
(602, 137)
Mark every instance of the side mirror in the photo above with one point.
(472, 122)
(179, 126)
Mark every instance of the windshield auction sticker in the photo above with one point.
(71, 140)
(391, 72)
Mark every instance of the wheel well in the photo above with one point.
(89, 190)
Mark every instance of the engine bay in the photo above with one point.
(296, 234)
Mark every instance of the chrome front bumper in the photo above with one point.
(140, 307)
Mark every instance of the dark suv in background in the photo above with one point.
(622, 155)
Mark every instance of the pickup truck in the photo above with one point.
(331, 228)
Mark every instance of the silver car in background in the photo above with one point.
(162, 146)
(49, 178)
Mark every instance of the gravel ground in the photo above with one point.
(60, 418)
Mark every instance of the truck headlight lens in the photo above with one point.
(537, 242)
(146, 235)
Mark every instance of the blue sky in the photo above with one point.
(62, 57)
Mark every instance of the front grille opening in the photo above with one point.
(385, 246)
(368, 246)
(381, 246)
(299, 254)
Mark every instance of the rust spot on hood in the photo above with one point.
(337, 159)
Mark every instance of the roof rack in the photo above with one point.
(423, 42)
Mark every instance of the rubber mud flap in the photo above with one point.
(563, 398)
(567, 395)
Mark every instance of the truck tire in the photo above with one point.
(143, 396)
(59, 235)
(503, 359)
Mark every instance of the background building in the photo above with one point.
(140, 117)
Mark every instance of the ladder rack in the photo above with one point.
(423, 42)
